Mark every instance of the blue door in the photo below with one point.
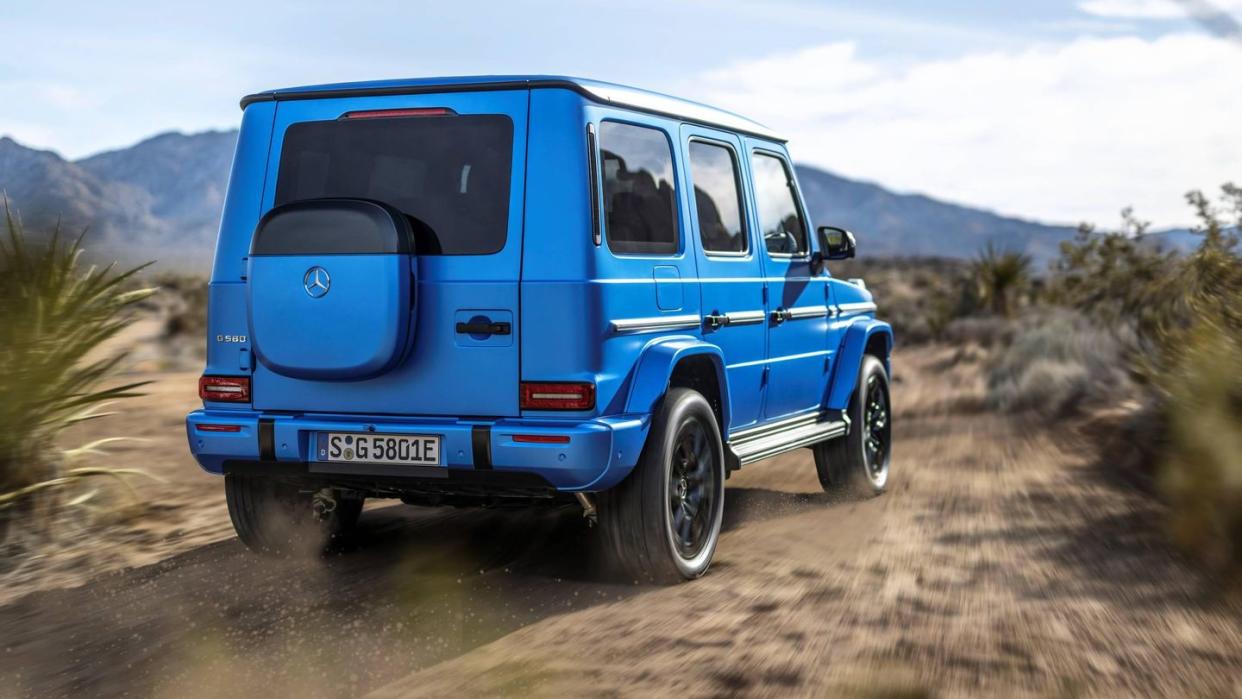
(730, 271)
(799, 354)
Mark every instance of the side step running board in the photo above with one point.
(754, 445)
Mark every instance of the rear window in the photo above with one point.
(640, 205)
(450, 173)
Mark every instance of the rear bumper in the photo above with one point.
(599, 454)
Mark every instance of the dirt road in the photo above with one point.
(999, 564)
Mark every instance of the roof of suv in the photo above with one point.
(597, 91)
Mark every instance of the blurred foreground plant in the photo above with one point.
(1200, 474)
(1185, 315)
(55, 313)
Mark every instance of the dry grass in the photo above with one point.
(1057, 364)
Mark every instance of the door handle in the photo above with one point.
(483, 328)
(781, 315)
(716, 320)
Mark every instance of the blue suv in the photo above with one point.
(494, 290)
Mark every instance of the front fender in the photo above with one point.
(655, 367)
(849, 359)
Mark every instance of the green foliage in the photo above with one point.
(1115, 277)
(1120, 280)
(1002, 277)
(1185, 313)
(54, 316)
(1200, 474)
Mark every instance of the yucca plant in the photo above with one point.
(1001, 277)
(55, 313)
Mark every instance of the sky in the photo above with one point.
(1055, 110)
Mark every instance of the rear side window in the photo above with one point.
(640, 209)
(784, 232)
(717, 198)
(449, 173)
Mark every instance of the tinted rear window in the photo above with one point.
(640, 205)
(450, 173)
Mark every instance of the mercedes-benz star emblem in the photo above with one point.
(316, 282)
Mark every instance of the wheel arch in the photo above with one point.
(864, 336)
(680, 361)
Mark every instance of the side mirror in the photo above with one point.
(836, 243)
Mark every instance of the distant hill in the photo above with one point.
(912, 225)
(44, 187)
(185, 175)
(161, 198)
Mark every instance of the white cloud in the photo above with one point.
(1158, 9)
(1066, 133)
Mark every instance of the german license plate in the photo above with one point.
(347, 447)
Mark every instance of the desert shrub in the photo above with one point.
(186, 305)
(1057, 362)
(918, 296)
(987, 331)
(1002, 278)
(54, 316)
(1114, 277)
(1184, 313)
(1196, 370)
(1200, 473)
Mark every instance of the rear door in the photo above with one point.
(730, 272)
(454, 163)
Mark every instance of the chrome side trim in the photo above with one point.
(864, 307)
(769, 445)
(806, 312)
(646, 325)
(745, 317)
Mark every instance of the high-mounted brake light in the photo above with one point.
(389, 113)
(227, 389)
(557, 396)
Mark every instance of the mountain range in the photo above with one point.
(162, 197)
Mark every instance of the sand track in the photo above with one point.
(998, 565)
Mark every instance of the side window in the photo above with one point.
(784, 232)
(717, 198)
(640, 203)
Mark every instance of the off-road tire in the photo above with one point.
(637, 516)
(847, 465)
(275, 517)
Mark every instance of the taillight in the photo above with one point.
(227, 389)
(389, 113)
(557, 396)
